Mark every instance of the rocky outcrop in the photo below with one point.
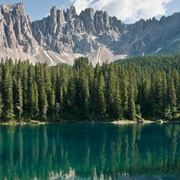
(65, 35)
(15, 29)
(87, 17)
(70, 13)
(71, 33)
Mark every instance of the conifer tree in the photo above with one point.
(51, 103)
(113, 95)
(1, 107)
(34, 100)
(70, 95)
(25, 66)
(172, 94)
(82, 94)
(100, 98)
(131, 103)
(158, 95)
(43, 106)
(7, 92)
(124, 95)
(173, 98)
(19, 103)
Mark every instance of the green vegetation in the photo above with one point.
(147, 87)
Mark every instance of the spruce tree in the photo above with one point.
(43, 105)
(71, 96)
(172, 94)
(34, 100)
(7, 92)
(113, 95)
(100, 98)
(173, 98)
(131, 103)
(82, 94)
(124, 95)
(51, 103)
(19, 103)
(25, 66)
(1, 107)
(158, 95)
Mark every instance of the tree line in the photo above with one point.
(147, 87)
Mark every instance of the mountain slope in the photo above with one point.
(64, 35)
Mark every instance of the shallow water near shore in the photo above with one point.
(90, 151)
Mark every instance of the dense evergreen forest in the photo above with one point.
(147, 87)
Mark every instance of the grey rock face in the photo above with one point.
(65, 35)
(70, 13)
(74, 33)
(15, 29)
(99, 22)
(87, 16)
(151, 37)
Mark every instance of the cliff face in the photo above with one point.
(15, 29)
(65, 35)
(65, 31)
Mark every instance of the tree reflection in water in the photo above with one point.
(89, 151)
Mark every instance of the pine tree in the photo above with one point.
(7, 92)
(131, 103)
(124, 95)
(100, 98)
(113, 95)
(25, 66)
(82, 94)
(49, 90)
(144, 96)
(70, 96)
(172, 94)
(19, 103)
(1, 107)
(32, 109)
(158, 95)
(43, 105)
(51, 103)
(34, 100)
(173, 98)
(165, 90)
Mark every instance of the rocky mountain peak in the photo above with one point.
(64, 35)
(72, 33)
(70, 13)
(15, 29)
(87, 16)
(10, 7)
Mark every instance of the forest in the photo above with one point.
(147, 87)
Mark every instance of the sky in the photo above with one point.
(129, 11)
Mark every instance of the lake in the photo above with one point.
(90, 151)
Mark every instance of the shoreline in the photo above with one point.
(23, 123)
(130, 122)
(116, 122)
(144, 122)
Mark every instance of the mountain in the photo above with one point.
(65, 35)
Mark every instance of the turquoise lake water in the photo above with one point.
(90, 151)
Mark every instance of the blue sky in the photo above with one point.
(127, 10)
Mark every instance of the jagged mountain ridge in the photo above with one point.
(65, 35)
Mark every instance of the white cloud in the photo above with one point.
(127, 10)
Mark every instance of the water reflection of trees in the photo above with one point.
(54, 151)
